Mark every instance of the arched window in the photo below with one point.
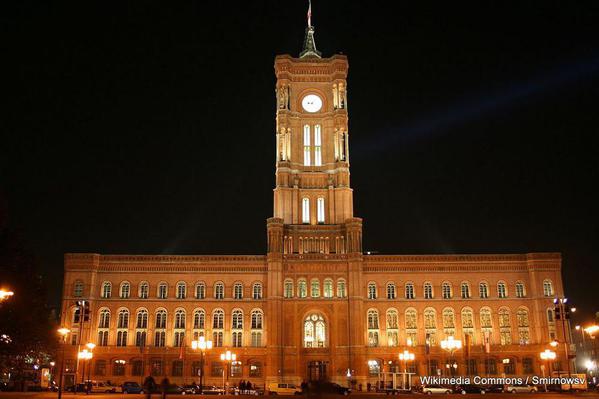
(181, 290)
(162, 290)
(200, 290)
(320, 210)
(78, 289)
(302, 288)
(123, 320)
(501, 290)
(180, 319)
(104, 319)
(430, 318)
(106, 289)
(373, 327)
(411, 326)
(327, 288)
(409, 291)
(199, 319)
(371, 290)
(144, 289)
(505, 327)
(288, 288)
(523, 326)
(317, 146)
(160, 319)
(448, 319)
(237, 291)
(446, 290)
(392, 328)
(219, 291)
(467, 318)
(428, 291)
(306, 145)
(485, 318)
(237, 327)
(125, 290)
(305, 210)
(314, 288)
(390, 290)
(218, 317)
(520, 289)
(314, 331)
(257, 291)
(256, 327)
(547, 288)
(483, 290)
(465, 290)
(142, 319)
(341, 288)
(257, 317)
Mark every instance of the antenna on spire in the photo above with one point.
(309, 49)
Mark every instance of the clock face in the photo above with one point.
(312, 103)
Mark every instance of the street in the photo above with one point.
(54, 395)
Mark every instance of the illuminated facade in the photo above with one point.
(315, 306)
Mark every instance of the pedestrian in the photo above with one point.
(148, 386)
(304, 387)
(242, 386)
(368, 386)
(248, 386)
(164, 385)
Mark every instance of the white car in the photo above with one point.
(431, 389)
(521, 388)
(275, 388)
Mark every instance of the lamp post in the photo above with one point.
(4, 294)
(406, 356)
(547, 355)
(91, 347)
(592, 330)
(227, 357)
(85, 354)
(451, 345)
(63, 334)
(203, 346)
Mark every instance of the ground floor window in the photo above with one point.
(137, 367)
(118, 368)
(177, 370)
(527, 365)
(433, 366)
(157, 368)
(490, 366)
(216, 369)
(236, 369)
(472, 368)
(509, 368)
(374, 368)
(100, 367)
(256, 369)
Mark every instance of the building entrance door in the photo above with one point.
(317, 370)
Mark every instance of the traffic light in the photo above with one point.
(85, 310)
(567, 312)
(558, 313)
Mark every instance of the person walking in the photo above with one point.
(148, 386)
(164, 385)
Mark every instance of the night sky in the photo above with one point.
(148, 128)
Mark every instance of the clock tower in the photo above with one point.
(313, 197)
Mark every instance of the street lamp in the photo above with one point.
(90, 346)
(63, 334)
(5, 294)
(406, 356)
(547, 355)
(85, 354)
(227, 357)
(451, 345)
(202, 345)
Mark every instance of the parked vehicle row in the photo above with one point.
(479, 389)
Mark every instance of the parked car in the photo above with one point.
(470, 388)
(494, 388)
(190, 389)
(521, 388)
(99, 387)
(131, 387)
(431, 389)
(212, 390)
(275, 388)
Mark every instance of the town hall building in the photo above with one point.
(314, 306)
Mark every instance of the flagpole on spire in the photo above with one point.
(309, 13)
(309, 48)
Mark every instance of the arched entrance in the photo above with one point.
(317, 370)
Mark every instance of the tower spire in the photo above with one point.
(309, 49)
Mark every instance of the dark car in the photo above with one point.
(212, 390)
(494, 388)
(331, 387)
(470, 388)
(131, 387)
(190, 389)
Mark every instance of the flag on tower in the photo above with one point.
(309, 13)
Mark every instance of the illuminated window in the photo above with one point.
(314, 288)
(448, 320)
(317, 146)
(327, 288)
(160, 319)
(123, 319)
(410, 319)
(320, 210)
(218, 317)
(501, 290)
(237, 326)
(373, 327)
(390, 291)
(446, 290)
(162, 290)
(485, 318)
(104, 319)
(200, 290)
(314, 331)
(257, 291)
(142, 319)
(181, 290)
(305, 210)
(307, 145)
(144, 289)
(520, 290)
(237, 291)
(219, 291)
(341, 288)
(371, 290)
(392, 328)
(505, 327)
(523, 326)
(288, 289)
(199, 319)
(78, 288)
(106, 289)
(428, 291)
(467, 318)
(256, 319)
(547, 288)
(409, 291)
(180, 319)
(125, 290)
(483, 290)
(465, 290)
(302, 290)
